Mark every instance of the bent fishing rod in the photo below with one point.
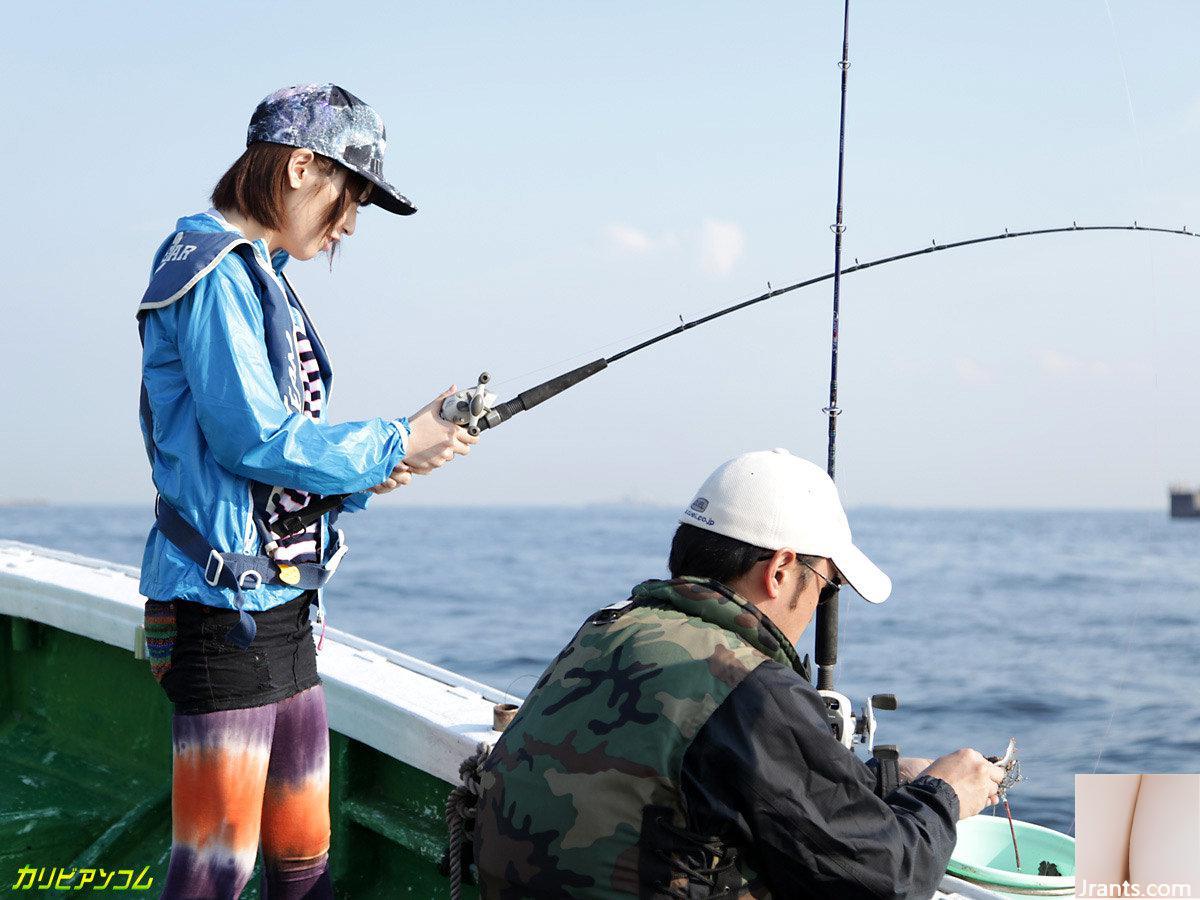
(477, 409)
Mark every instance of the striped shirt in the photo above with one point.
(301, 546)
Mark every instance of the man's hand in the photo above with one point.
(434, 441)
(973, 778)
(912, 766)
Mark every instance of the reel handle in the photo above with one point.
(471, 408)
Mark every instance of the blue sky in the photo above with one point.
(587, 173)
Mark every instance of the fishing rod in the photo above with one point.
(477, 409)
(826, 643)
(846, 727)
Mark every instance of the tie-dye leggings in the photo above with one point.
(245, 774)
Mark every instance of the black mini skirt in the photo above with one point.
(206, 674)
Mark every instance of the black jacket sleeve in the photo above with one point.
(765, 773)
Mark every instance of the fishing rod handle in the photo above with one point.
(825, 653)
(502, 412)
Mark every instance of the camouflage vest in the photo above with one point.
(580, 796)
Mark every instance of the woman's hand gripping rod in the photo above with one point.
(475, 409)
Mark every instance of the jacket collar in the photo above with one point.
(278, 259)
(713, 602)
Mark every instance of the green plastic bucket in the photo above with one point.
(984, 856)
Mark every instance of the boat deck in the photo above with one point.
(80, 800)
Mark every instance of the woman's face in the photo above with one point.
(314, 193)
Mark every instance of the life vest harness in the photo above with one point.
(184, 260)
(246, 572)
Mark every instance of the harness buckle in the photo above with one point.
(213, 556)
(250, 574)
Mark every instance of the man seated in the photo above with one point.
(675, 747)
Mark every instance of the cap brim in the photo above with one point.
(387, 197)
(863, 575)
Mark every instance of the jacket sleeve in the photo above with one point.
(356, 502)
(766, 773)
(250, 431)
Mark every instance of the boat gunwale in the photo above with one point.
(406, 708)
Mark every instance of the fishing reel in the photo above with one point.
(472, 408)
(848, 728)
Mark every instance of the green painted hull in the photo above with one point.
(85, 736)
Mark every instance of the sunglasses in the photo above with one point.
(830, 588)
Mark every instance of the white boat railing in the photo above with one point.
(423, 715)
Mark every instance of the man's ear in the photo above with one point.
(774, 574)
(300, 166)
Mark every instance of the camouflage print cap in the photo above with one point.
(331, 121)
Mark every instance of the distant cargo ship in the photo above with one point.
(1185, 502)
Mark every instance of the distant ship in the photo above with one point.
(1185, 502)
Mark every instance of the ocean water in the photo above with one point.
(1075, 632)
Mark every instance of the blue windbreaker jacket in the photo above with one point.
(220, 424)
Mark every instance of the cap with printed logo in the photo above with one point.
(775, 500)
(329, 120)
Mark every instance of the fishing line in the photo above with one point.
(582, 353)
(508, 690)
(694, 313)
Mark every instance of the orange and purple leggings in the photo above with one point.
(245, 776)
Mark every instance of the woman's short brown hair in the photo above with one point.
(256, 184)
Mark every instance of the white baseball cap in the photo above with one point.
(774, 499)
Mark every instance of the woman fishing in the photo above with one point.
(235, 393)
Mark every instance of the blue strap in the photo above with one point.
(240, 571)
